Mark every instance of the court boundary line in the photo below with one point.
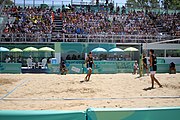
(11, 91)
(87, 99)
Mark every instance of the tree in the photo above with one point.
(171, 4)
(7, 2)
(168, 4)
(142, 3)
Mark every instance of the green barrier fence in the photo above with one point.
(75, 68)
(112, 67)
(102, 67)
(170, 113)
(10, 67)
(164, 68)
(53, 68)
(134, 114)
(42, 115)
(125, 66)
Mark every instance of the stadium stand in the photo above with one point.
(45, 25)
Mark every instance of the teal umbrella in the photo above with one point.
(99, 50)
(116, 50)
(3, 49)
(46, 49)
(67, 8)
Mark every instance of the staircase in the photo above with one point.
(57, 30)
(58, 24)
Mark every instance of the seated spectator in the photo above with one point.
(136, 68)
(172, 68)
(8, 59)
(63, 68)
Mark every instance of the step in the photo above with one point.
(58, 23)
(57, 31)
(58, 20)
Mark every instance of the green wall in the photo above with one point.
(80, 47)
(134, 114)
(102, 67)
(169, 113)
(14, 68)
(41, 115)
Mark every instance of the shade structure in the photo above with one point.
(46, 49)
(115, 50)
(30, 49)
(99, 50)
(131, 49)
(67, 8)
(16, 50)
(3, 49)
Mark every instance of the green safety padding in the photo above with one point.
(54, 68)
(169, 113)
(10, 67)
(41, 115)
(102, 67)
(75, 69)
(125, 66)
(164, 68)
(105, 68)
(134, 114)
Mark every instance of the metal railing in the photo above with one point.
(28, 38)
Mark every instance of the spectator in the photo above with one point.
(135, 68)
(33, 21)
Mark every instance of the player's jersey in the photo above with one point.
(89, 62)
(154, 62)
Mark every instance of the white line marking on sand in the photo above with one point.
(82, 99)
(10, 92)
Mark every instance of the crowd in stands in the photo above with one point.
(133, 23)
(39, 21)
(34, 21)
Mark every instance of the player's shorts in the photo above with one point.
(89, 68)
(152, 70)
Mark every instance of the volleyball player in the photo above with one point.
(153, 68)
(89, 63)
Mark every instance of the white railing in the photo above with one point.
(99, 38)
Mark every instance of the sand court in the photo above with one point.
(65, 92)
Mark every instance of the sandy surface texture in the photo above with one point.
(65, 92)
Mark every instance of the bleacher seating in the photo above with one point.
(45, 25)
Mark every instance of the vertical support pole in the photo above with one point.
(141, 63)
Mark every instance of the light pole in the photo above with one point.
(33, 3)
(24, 3)
(71, 2)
